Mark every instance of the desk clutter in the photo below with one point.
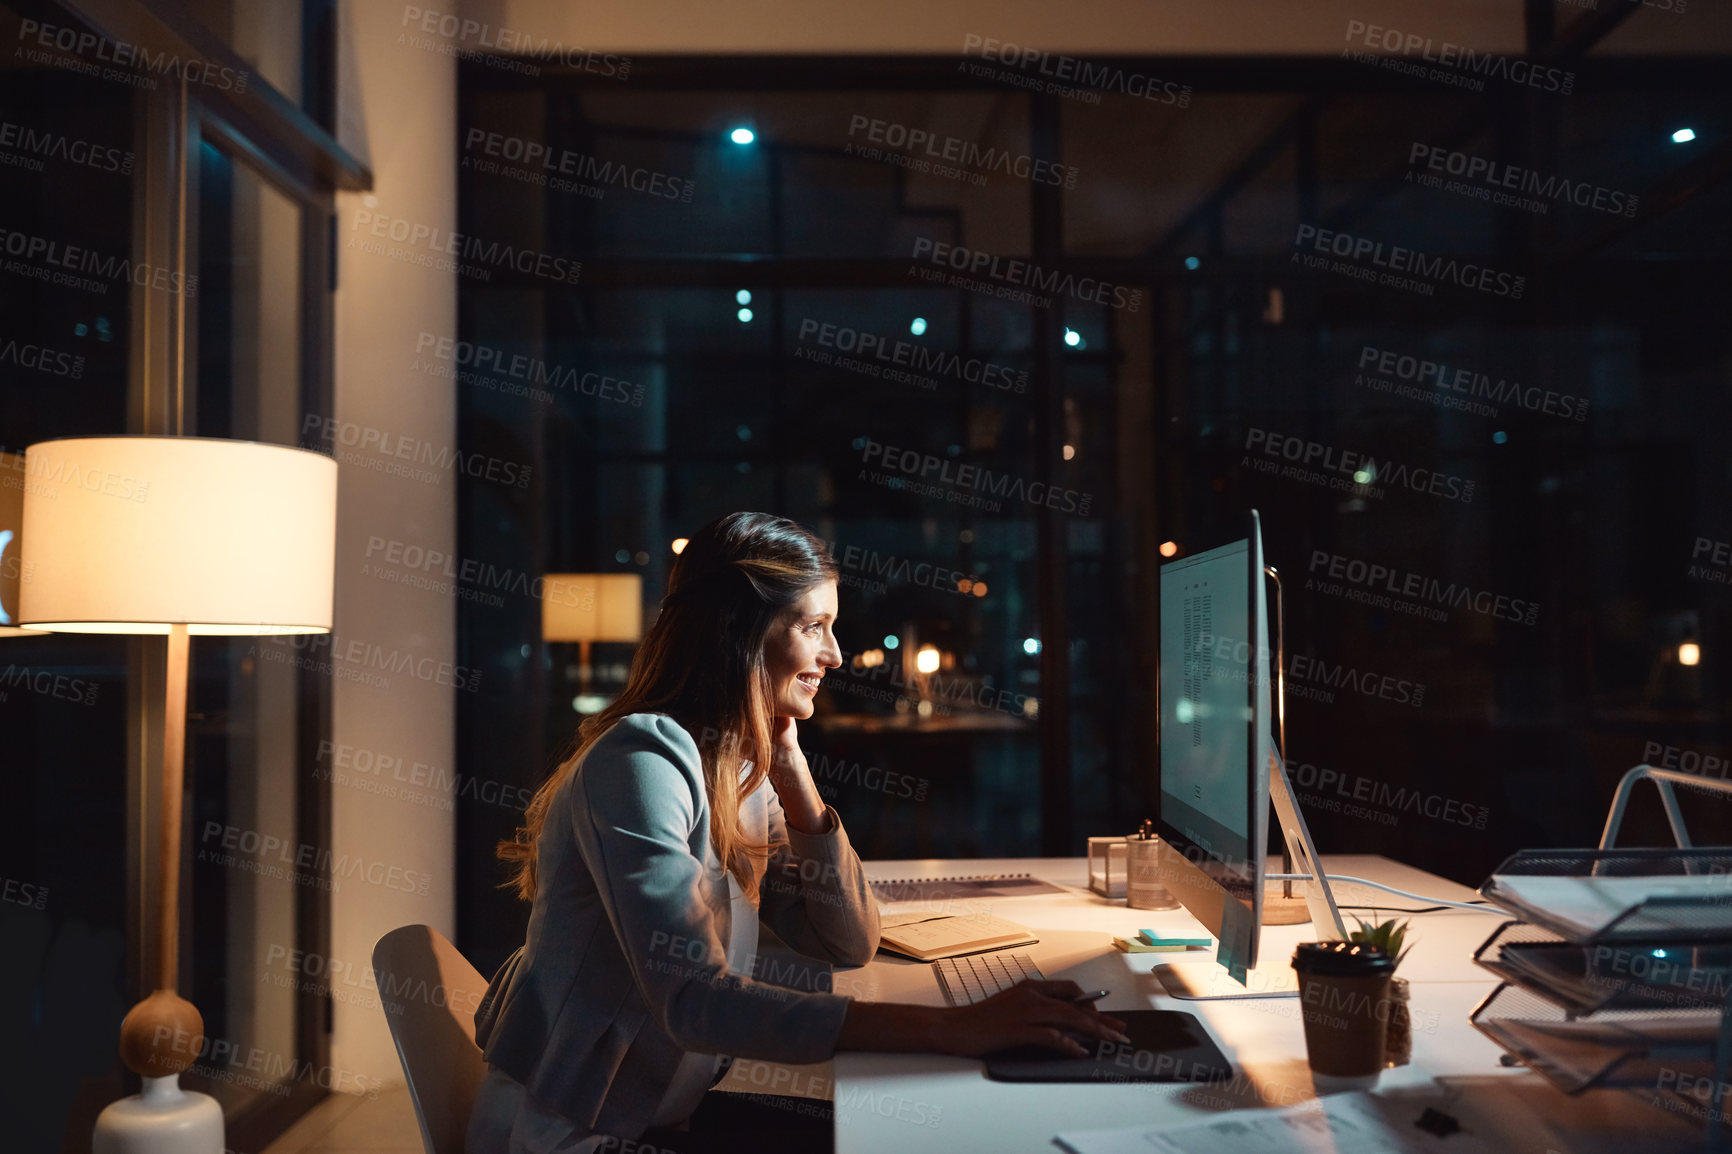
(1617, 971)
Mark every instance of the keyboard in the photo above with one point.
(976, 977)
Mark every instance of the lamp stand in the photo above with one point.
(163, 1034)
(583, 670)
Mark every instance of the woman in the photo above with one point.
(652, 854)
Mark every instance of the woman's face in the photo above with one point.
(800, 647)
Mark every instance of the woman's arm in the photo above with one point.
(814, 893)
(1029, 1013)
(634, 811)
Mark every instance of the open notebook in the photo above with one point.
(926, 938)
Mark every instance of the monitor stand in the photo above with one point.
(1272, 977)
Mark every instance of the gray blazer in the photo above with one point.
(624, 968)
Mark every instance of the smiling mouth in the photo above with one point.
(809, 680)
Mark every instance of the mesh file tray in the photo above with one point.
(1639, 1049)
(1619, 971)
(1586, 979)
(1656, 896)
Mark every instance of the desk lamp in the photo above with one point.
(589, 607)
(178, 536)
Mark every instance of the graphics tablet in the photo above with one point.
(1166, 1046)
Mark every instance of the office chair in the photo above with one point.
(430, 993)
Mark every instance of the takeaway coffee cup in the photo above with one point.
(1344, 1000)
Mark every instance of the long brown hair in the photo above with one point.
(702, 663)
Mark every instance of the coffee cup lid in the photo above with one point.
(1342, 959)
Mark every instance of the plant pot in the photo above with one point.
(1398, 1034)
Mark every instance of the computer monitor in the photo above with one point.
(1219, 769)
(1214, 736)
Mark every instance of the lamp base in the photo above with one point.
(163, 1119)
(1284, 911)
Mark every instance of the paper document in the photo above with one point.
(1580, 907)
(1360, 1123)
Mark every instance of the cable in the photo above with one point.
(1476, 907)
(1397, 909)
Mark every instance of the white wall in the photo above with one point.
(398, 114)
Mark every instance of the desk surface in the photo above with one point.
(918, 1102)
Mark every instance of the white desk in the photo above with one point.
(908, 1103)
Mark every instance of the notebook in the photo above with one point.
(926, 939)
(970, 886)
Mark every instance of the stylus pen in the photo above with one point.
(1094, 997)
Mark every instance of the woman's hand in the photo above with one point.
(1030, 1013)
(791, 778)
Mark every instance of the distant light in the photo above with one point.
(1031, 707)
(640, 557)
(1364, 476)
(926, 661)
(745, 316)
(890, 641)
(743, 432)
(1169, 548)
(1193, 263)
(1069, 452)
(744, 297)
(679, 545)
(1500, 438)
(965, 586)
(980, 589)
(1684, 136)
(524, 649)
(1659, 953)
(1031, 645)
(1072, 338)
(621, 556)
(1689, 653)
(742, 136)
(917, 326)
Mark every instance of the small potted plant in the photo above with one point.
(1398, 1036)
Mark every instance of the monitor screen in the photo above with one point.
(1207, 672)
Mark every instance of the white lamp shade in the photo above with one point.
(591, 607)
(11, 544)
(135, 534)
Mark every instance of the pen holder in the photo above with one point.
(1107, 868)
(1143, 890)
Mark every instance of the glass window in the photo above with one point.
(245, 758)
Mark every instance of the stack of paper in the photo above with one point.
(1360, 1123)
